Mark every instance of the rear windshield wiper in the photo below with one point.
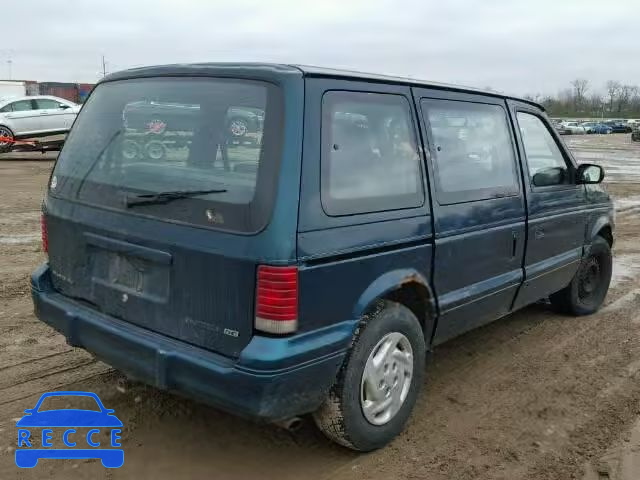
(166, 197)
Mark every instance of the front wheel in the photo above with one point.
(589, 286)
(379, 382)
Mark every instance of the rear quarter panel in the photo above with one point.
(347, 262)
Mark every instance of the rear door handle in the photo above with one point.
(538, 233)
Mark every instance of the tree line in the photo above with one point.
(617, 100)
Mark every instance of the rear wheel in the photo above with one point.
(6, 139)
(379, 382)
(588, 288)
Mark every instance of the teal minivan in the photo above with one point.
(308, 263)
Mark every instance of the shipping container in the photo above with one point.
(68, 91)
(84, 89)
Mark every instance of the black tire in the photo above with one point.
(589, 286)
(341, 417)
(6, 132)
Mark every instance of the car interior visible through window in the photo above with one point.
(474, 157)
(370, 157)
(168, 136)
(47, 103)
(547, 165)
(21, 106)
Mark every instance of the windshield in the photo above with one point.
(157, 136)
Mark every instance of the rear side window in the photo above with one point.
(543, 154)
(474, 157)
(370, 159)
(21, 106)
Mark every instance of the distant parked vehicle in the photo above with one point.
(574, 127)
(26, 117)
(561, 129)
(635, 134)
(144, 116)
(597, 127)
(618, 127)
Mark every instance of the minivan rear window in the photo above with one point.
(202, 151)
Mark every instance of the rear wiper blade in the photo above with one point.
(166, 197)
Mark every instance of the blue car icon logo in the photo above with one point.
(66, 421)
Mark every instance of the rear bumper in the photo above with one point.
(273, 379)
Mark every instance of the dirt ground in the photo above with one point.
(532, 396)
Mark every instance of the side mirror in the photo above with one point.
(64, 107)
(29, 410)
(549, 176)
(589, 174)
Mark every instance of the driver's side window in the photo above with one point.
(547, 165)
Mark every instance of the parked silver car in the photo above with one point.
(574, 127)
(25, 117)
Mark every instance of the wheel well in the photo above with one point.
(607, 234)
(417, 298)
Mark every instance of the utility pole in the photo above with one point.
(10, 66)
(104, 67)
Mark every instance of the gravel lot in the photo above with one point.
(534, 396)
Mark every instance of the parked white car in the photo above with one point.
(37, 116)
(574, 127)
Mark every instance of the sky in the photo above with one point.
(513, 46)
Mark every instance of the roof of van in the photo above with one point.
(306, 70)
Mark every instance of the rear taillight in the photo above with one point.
(277, 299)
(43, 233)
